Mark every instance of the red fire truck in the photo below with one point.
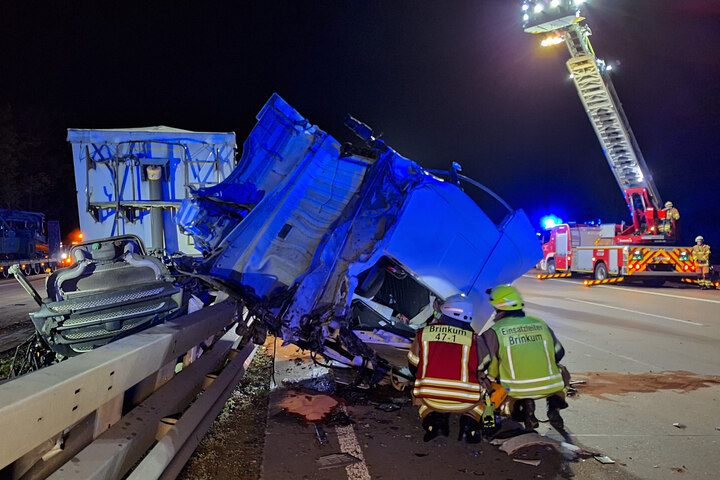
(642, 249)
(594, 249)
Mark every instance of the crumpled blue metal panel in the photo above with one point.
(301, 217)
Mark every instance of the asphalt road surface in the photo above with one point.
(15, 304)
(649, 356)
(651, 403)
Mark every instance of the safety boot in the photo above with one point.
(554, 405)
(470, 429)
(524, 411)
(435, 424)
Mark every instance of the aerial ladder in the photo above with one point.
(559, 20)
(610, 252)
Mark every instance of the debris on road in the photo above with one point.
(514, 444)
(311, 407)
(679, 425)
(321, 435)
(388, 407)
(336, 460)
(533, 463)
(604, 459)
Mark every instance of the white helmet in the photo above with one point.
(459, 307)
(668, 204)
(699, 238)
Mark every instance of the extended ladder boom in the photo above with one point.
(606, 115)
(560, 21)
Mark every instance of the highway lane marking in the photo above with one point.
(629, 289)
(608, 352)
(349, 444)
(661, 294)
(636, 311)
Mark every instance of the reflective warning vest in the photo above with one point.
(525, 362)
(447, 364)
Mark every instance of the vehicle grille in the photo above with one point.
(67, 307)
(110, 316)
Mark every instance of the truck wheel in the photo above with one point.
(5, 273)
(601, 272)
(27, 270)
(36, 269)
(551, 267)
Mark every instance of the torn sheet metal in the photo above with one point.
(312, 233)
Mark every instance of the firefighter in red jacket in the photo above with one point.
(521, 353)
(443, 358)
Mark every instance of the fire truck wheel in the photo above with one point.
(26, 270)
(601, 272)
(551, 270)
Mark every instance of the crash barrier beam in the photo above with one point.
(169, 455)
(40, 405)
(541, 276)
(591, 283)
(119, 448)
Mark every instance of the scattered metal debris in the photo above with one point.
(679, 425)
(321, 435)
(388, 407)
(336, 460)
(525, 461)
(604, 459)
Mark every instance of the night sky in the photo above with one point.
(443, 81)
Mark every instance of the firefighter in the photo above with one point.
(669, 225)
(521, 353)
(443, 358)
(701, 257)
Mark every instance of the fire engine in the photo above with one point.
(642, 249)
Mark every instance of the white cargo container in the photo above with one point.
(132, 180)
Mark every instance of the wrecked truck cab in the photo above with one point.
(342, 248)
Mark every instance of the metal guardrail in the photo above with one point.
(97, 414)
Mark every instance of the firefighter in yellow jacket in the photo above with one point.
(443, 358)
(701, 257)
(669, 225)
(521, 353)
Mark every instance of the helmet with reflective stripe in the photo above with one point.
(668, 204)
(505, 297)
(699, 238)
(459, 307)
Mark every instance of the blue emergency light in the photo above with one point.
(550, 221)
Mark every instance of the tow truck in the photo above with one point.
(610, 252)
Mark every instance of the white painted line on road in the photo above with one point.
(626, 289)
(636, 311)
(349, 444)
(612, 353)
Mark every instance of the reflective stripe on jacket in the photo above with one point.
(525, 360)
(446, 359)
